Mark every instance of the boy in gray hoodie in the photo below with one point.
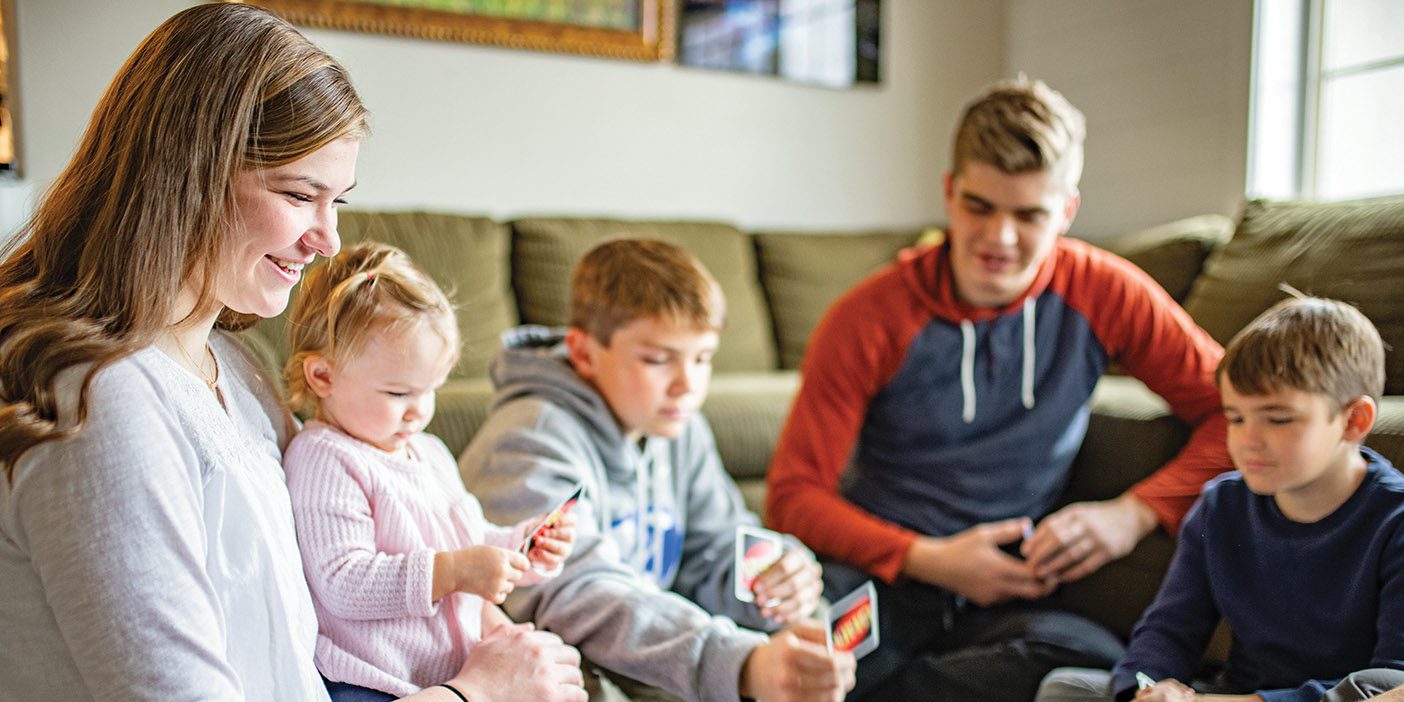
(611, 403)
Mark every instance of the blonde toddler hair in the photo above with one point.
(367, 289)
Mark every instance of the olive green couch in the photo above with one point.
(778, 284)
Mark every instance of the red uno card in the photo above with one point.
(551, 519)
(756, 550)
(853, 622)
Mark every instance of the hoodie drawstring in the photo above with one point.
(1029, 331)
(967, 370)
(967, 362)
(640, 505)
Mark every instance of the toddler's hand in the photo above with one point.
(489, 572)
(553, 546)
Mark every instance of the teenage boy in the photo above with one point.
(612, 403)
(944, 399)
(1301, 551)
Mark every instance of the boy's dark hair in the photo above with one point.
(1309, 344)
(623, 280)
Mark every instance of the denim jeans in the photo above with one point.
(346, 692)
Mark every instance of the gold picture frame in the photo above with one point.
(510, 24)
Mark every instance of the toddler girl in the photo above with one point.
(404, 570)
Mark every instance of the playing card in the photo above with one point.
(551, 519)
(853, 622)
(756, 550)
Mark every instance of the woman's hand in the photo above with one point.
(517, 662)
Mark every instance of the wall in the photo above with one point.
(1165, 87)
(501, 132)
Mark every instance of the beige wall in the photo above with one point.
(1165, 87)
(486, 130)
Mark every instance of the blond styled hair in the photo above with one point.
(624, 280)
(1022, 126)
(370, 288)
(147, 202)
(1311, 344)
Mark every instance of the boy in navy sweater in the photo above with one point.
(1302, 550)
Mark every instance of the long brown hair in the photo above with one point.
(147, 201)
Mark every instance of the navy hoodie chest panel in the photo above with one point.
(919, 464)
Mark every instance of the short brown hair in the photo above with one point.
(369, 287)
(623, 280)
(1022, 126)
(1309, 344)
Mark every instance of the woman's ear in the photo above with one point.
(1360, 418)
(318, 374)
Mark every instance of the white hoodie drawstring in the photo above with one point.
(967, 362)
(661, 483)
(967, 370)
(640, 492)
(1029, 331)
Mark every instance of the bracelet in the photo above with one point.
(454, 690)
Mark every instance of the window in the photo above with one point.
(1328, 99)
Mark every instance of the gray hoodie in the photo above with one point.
(648, 589)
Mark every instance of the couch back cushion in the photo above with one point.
(1350, 251)
(1174, 253)
(803, 273)
(467, 256)
(545, 251)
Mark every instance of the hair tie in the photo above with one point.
(370, 276)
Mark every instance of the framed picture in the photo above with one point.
(833, 43)
(639, 30)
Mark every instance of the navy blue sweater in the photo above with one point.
(1307, 603)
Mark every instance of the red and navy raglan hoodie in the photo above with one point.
(919, 414)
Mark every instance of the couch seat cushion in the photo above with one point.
(746, 412)
(1350, 251)
(545, 252)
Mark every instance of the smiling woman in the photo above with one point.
(146, 538)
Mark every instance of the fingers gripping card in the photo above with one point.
(853, 622)
(756, 550)
(552, 518)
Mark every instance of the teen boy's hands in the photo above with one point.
(972, 565)
(795, 665)
(1075, 541)
(789, 589)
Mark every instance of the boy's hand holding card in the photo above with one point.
(756, 550)
(853, 622)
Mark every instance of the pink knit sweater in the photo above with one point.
(369, 524)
